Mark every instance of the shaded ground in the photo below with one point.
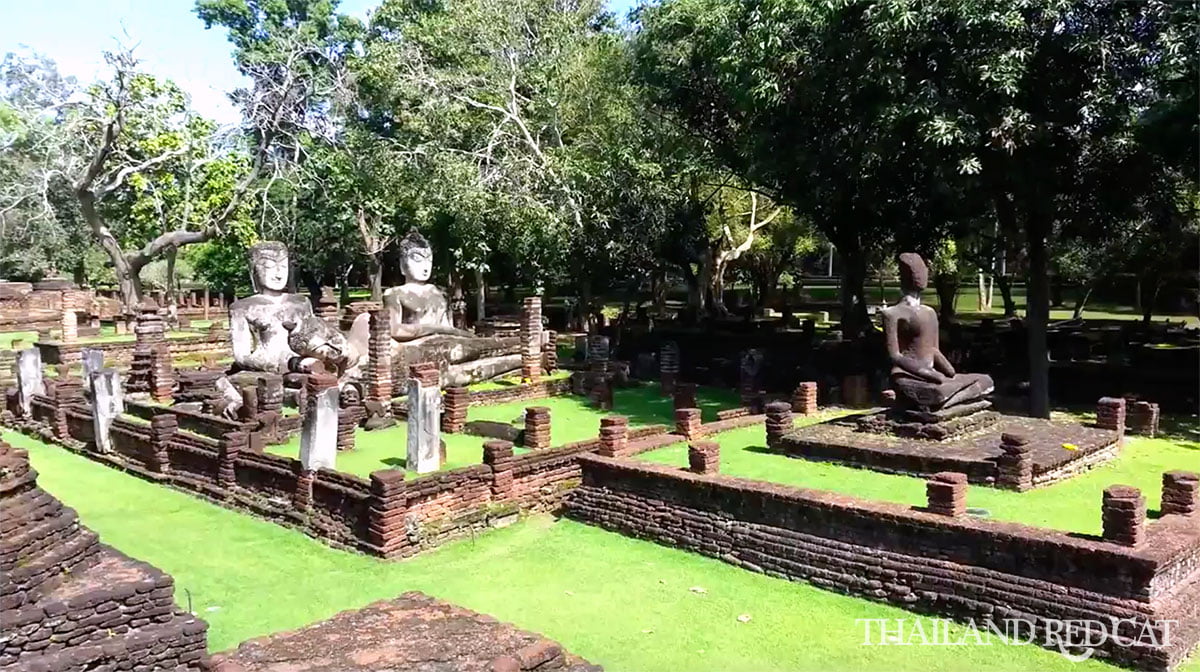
(621, 603)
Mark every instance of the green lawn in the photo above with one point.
(622, 603)
(7, 338)
(387, 448)
(1072, 505)
(571, 419)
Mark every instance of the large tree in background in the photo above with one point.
(911, 119)
(798, 101)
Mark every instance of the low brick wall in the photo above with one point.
(120, 353)
(209, 456)
(523, 392)
(956, 566)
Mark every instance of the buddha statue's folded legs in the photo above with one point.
(957, 389)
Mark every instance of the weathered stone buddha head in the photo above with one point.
(416, 257)
(914, 275)
(269, 266)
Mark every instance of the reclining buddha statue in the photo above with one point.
(421, 329)
(921, 374)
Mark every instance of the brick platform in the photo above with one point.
(68, 602)
(980, 455)
(412, 632)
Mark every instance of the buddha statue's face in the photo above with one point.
(270, 272)
(417, 264)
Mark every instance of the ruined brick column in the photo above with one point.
(614, 435)
(379, 365)
(1141, 417)
(498, 455)
(601, 392)
(67, 392)
(685, 396)
(162, 428)
(779, 421)
(162, 373)
(749, 377)
(1180, 493)
(268, 389)
(327, 307)
(231, 444)
(1015, 465)
(946, 493)
(1110, 413)
(804, 399)
(598, 353)
(348, 419)
(687, 422)
(531, 339)
(1123, 511)
(537, 427)
(386, 510)
(302, 495)
(704, 457)
(148, 331)
(455, 402)
(668, 366)
(549, 351)
(68, 318)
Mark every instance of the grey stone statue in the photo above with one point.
(921, 374)
(420, 324)
(275, 331)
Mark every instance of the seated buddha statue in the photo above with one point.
(422, 331)
(921, 374)
(274, 331)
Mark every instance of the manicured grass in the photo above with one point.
(622, 603)
(1072, 505)
(387, 449)
(7, 338)
(571, 419)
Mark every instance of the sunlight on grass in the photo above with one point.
(622, 603)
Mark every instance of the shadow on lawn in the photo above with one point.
(646, 404)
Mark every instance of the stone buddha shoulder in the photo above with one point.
(420, 325)
(921, 374)
(274, 331)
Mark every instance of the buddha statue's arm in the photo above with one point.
(898, 358)
(943, 365)
(407, 331)
(245, 353)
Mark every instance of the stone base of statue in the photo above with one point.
(947, 423)
(461, 360)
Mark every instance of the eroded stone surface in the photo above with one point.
(413, 632)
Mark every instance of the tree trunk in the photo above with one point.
(1004, 284)
(375, 273)
(172, 299)
(1037, 314)
(1081, 302)
(946, 285)
(480, 295)
(855, 321)
(585, 305)
(1149, 301)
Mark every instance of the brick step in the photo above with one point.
(176, 644)
(27, 543)
(113, 596)
(16, 475)
(28, 582)
(30, 505)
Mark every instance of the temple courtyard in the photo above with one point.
(624, 603)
